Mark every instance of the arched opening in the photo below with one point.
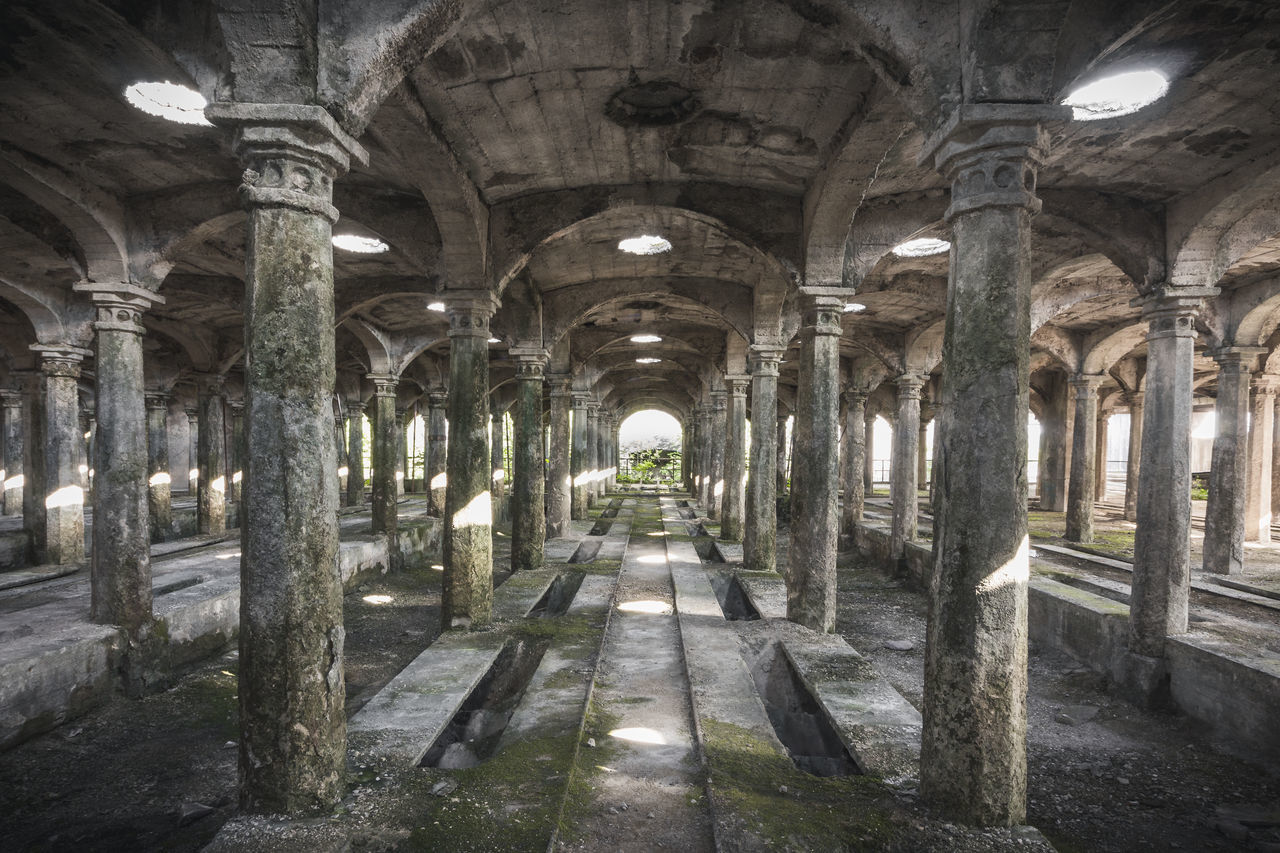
(650, 449)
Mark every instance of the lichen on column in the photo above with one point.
(735, 463)
(437, 446)
(62, 501)
(559, 485)
(852, 465)
(906, 442)
(14, 451)
(528, 519)
(759, 535)
(355, 453)
(385, 456)
(211, 484)
(1084, 436)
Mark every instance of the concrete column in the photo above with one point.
(1132, 468)
(580, 459)
(1162, 544)
(14, 451)
(193, 451)
(339, 447)
(292, 719)
(528, 517)
(120, 565)
(468, 506)
(1100, 457)
(159, 508)
(499, 473)
(735, 460)
(922, 452)
(868, 460)
(717, 427)
(33, 484)
(594, 462)
(1052, 485)
(811, 563)
(63, 497)
(1224, 516)
(903, 487)
(386, 448)
(1261, 444)
(211, 483)
(760, 533)
(704, 412)
(853, 451)
(1084, 437)
(781, 458)
(237, 458)
(559, 480)
(355, 453)
(437, 450)
(403, 417)
(973, 744)
(88, 435)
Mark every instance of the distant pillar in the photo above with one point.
(760, 534)
(1132, 470)
(1084, 436)
(498, 465)
(528, 519)
(355, 453)
(193, 451)
(1261, 443)
(735, 460)
(437, 449)
(903, 489)
(559, 480)
(715, 452)
(1224, 519)
(63, 497)
(14, 451)
(159, 507)
(386, 449)
(211, 486)
(853, 452)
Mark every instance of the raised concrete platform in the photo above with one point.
(55, 664)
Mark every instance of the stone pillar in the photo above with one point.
(384, 436)
(339, 447)
(580, 461)
(922, 451)
(903, 486)
(1084, 446)
(735, 460)
(211, 483)
(403, 417)
(868, 454)
(497, 463)
(355, 453)
(14, 451)
(1261, 443)
(193, 451)
(159, 508)
(1162, 544)
(88, 435)
(120, 567)
(853, 453)
(437, 450)
(717, 428)
(1100, 457)
(467, 599)
(237, 459)
(1275, 457)
(704, 411)
(760, 534)
(811, 563)
(63, 497)
(528, 519)
(593, 453)
(559, 480)
(781, 457)
(292, 719)
(1132, 469)
(973, 744)
(1224, 517)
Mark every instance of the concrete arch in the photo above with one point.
(923, 350)
(634, 406)
(1106, 347)
(46, 321)
(1262, 319)
(1221, 224)
(561, 314)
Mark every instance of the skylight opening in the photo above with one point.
(648, 360)
(169, 101)
(921, 247)
(645, 339)
(854, 307)
(436, 306)
(646, 244)
(495, 340)
(1118, 95)
(359, 245)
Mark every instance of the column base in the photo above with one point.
(1144, 681)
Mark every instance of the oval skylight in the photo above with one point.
(645, 339)
(1117, 95)
(648, 360)
(495, 340)
(854, 307)
(646, 244)
(921, 247)
(435, 306)
(360, 245)
(168, 101)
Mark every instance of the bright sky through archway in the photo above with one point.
(645, 428)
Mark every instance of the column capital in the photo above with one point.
(1172, 311)
(821, 309)
(210, 383)
(1134, 398)
(1237, 359)
(1086, 383)
(120, 304)
(738, 385)
(384, 384)
(60, 359)
(292, 153)
(854, 397)
(561, 384)
(910, 385)
(437, 398)
(763, 359)
(1266, 384)
(10, 397)
(581, 399)
(531, 362)
(191, 413)
(469, 312)
(156, 399)
(236, 407)
(990, 153)
(354, 407)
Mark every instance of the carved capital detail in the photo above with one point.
(58, 360)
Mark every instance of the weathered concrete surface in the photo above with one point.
(717, 428)
(468, 508)
(973, 751)
(735, 461)
(1133, 469)
(59, 496)
(14, 451)
(559, 486)
(437, 447)
(528, 514)
(580, 461)
(811, 564)
(1224, 519)
(211, 483)
(853, 448)
(903, 485)
(385, 437)
(355, 453)
(159, 493)
(1257, 513)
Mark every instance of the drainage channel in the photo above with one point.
(644, 772)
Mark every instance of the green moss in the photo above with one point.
(598, 567)
(580, 793)
(748, 775)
